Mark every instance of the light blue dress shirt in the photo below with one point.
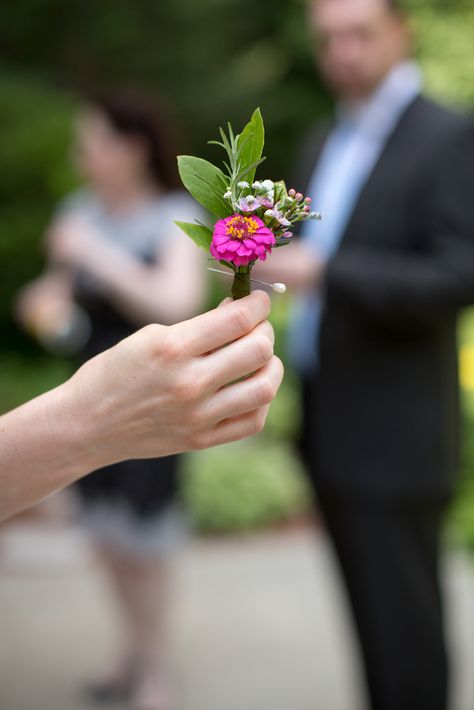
(346, 162)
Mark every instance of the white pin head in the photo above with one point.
(276, 287)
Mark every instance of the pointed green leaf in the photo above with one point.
(280, 190)
(251, 142)
(246, 171)
(201, 235)
(229, 264)
(206, 183)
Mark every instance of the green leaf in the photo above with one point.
(206, 183)
(280, 190)
(201, 235)
(246, 170)
(229, 264)
(250, 145)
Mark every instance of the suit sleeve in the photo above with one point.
(419, 287)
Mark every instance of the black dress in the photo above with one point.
(130, 505)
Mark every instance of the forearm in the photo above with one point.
(144, 293)
(402, 287)
(42, 448)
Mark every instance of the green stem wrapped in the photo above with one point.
(241, 285)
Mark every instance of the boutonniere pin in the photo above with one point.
(253, 217)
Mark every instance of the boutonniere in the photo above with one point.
(253, 217)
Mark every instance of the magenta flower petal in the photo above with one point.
(220, 238)
(243, 251)
(232, 245)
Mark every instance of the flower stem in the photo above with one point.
(241, 285)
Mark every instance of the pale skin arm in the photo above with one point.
(164, 390)
(167, 292)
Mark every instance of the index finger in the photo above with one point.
(224, 324)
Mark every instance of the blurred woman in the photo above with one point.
(116, 262)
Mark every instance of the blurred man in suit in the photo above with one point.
(381, 281)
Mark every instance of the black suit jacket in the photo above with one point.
(384, 403)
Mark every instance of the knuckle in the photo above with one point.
(195, 418)
(259, 419)
(264, 348)
(186, 390)
(169, 346)
(153, 331)
(197, 441)
(152, 336)
(269, 331)
(265, 392)
(244, 318)
(265, 299)
(280, 370)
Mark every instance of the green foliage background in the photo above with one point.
(215, 60)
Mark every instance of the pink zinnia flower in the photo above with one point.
(240, 240)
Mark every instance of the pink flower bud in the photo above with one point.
(307, 200)
(292, 192)
(298, 197)
(307, 209)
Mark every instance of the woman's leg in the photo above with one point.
(140, 585)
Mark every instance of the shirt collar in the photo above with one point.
(378, 115)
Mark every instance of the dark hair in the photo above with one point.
(136, 115)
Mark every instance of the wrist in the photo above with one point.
(78, 430)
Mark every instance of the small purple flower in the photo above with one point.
(280, 218)
(266, 202)
(249, 204)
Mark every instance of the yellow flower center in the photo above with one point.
(240, 227)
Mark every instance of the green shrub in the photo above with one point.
(35, 129)
(22, 378)
(244, 486)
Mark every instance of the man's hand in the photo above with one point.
(296, 265)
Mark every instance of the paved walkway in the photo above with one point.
(256, 623)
